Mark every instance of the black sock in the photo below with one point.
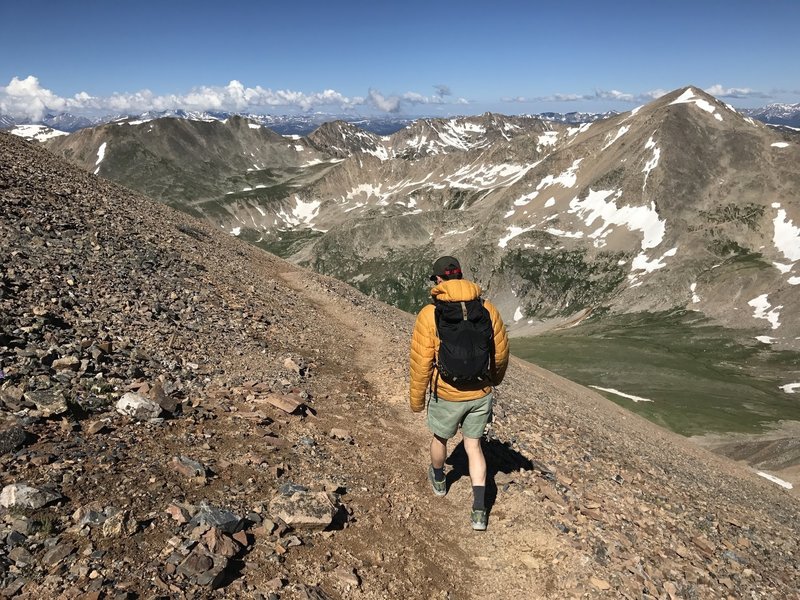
(479, 497)
(438, 474)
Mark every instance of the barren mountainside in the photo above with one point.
(184, 415)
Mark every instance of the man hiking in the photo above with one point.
(459, 350)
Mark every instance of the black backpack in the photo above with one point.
(466, 343)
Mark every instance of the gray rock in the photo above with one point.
(289, 488)
(120, 524)
(57, 553)
(306, 510)
(20, 495)
(137, 406)
(48, 402)
(204, 568)
(188, 467)
(220, 518)
(12, 437)
(160, 397)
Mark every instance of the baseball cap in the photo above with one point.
(446, 267)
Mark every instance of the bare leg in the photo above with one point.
(477, 462)
(438, 451)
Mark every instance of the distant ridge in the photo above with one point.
(660, 208)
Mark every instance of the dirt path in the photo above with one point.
(519, 550)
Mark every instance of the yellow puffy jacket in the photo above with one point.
(425, 347)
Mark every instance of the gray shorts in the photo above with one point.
(444, 416)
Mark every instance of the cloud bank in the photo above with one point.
(28, 99)
(641, 98)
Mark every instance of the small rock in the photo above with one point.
(119, 525)
(188, 467)
(57, 553)
(348, 576)
(90, 514)
(220, 544)
(96, 427)
(178, 512)
(216, 517)
(20, 495)
(160, 397)
(71, 363)
(48, 402)
(204, 568)
(600, 584)
(340, 434)
(137, 406)
(307, 510)
(12, 437)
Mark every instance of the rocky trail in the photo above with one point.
(185, 416)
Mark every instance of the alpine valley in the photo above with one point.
(653, 254)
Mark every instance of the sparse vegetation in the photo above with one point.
(749, 214)
(556, 282)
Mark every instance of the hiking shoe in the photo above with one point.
(439, 487)
(479, 519)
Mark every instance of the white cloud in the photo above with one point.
(723, 92)
(616, 95)
(26, 98)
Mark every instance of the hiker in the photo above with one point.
(459, 350)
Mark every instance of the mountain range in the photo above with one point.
(303, 124)
(183, 415)
(683, 203)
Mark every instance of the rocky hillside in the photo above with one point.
(682, 203)
(184, 415)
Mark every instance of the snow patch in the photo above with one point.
(786, 237)
(765, 339)
(548, 138)
(779, 145)
(518, 314)
(635, 218)
(457, 232)
(789, 388)
(567, 179)
(773, 479)
(513, 232)
(303, 213)
(618, 393)
(567, 234)
(695, 297)
(101, 154)
(576, 130)
(622, 131)
(689, 97)
(761, 307)
(653, 162)
(38, 133)
(236, 231)
(642, 263)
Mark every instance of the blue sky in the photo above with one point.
(412, 58)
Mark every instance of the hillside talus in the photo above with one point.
(186, 416)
